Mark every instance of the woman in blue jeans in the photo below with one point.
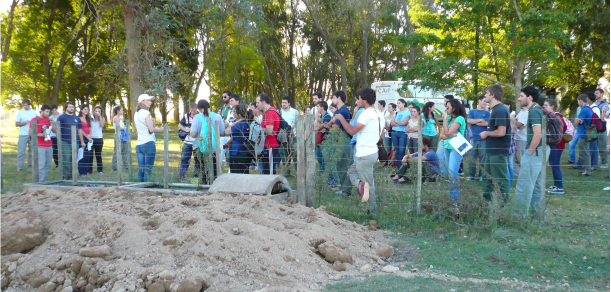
(145, 145)
(454, 122)
(555, 153)
(399, 124)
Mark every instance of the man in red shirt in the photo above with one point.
(270, 125)
(45, 149)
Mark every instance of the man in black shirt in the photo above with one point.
(498, 141)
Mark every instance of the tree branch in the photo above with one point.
(498, 82)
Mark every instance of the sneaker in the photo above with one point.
(101, 173)
(557, 191)
(481, 178)
(607, 189)
(461, 174)
(364, 191)
(550, 189)
(470, 178)
(604, 166)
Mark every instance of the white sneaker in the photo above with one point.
(607, 189)
(550, 189)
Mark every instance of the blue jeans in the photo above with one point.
(146, 159)
(399, 141)
(266, 161)
(554, 162)
(572, 149)
(453, 160)
(388, 144)
(510, 171)
(593, 155)
(441, 154)
(185, 160)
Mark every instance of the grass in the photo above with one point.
(570, 247)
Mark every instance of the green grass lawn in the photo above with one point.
(571, 247)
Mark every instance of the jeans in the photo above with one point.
(23, 145)
(98, 144)
(412, 145)
(85, 165)
(124, 154)
(572, 149)
(239, 164)
(55, 151)
(146, 159)
(185, 160)
(388, 144)
(477, 156)
(362, 171)
(266, 160)
(66, 160)
(584, 154)
(45, 155)
(528, 187)
(399, 141)
(510, 170)
(554, 162)
(441, 154)
(496, 167)
(453, 160)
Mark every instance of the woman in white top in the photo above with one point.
(412, 129)
(117, 122)
(145, 145)
(97, 124)
(391, 109)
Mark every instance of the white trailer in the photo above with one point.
(391, 91)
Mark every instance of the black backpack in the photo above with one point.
(554, 127)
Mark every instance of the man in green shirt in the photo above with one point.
(226, 108)
(528, 187)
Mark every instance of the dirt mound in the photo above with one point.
(117, 240)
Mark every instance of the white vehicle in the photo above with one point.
(391, 91)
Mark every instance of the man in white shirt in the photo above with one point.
(382, 107)
(520, 138)
(289, 114)
(368, 129)
(22, 121)
(316, 97)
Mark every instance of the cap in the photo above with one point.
(144, 97)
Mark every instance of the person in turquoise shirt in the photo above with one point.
(454, 122)
(430, 124)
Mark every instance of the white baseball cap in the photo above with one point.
(144, 97)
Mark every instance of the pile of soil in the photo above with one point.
(116, 240)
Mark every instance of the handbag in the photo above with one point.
(591, 133)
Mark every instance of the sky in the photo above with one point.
(5, 5)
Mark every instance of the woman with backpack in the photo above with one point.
(551, 105)
(239, 152)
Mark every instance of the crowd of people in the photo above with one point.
(506, 148)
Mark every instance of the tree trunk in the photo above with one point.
(291, 45)
(134, 50)
(9, 31)
(365, 54)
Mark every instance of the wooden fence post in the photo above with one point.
(128, 135)
(543, 165)
(217, 137)
(419, 183)
(301, 159)
(166, 155)
(34, 149)
(310, 159)
(119, 155)
(209, 157)
(60, 146)
(75, 147)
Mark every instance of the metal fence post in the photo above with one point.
(34, 149)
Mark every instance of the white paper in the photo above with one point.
(89, 144)
(81, 151)
(460, 144)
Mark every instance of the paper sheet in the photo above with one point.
(89, 144)
(460, 144)
(81, 151)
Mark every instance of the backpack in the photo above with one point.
(202, 144)
(554, 129)
(600, 126)
(569, 134)
(284, 130)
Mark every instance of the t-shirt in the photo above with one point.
(586, 116)
(432, 159)
(429, 126)
(368, 137)
(43, 126)
(475, 129)
(535, 117)
(400, 117)
(196, 126)
(601, 105)
(141, 128)
(346, 114)
(353, 122)
(225, 110)
(239, 132)
(290, 117)
(522, 117)
(96, 130)
(66, 122)
(272, 118)
(461, 129)
(23, 116)
(499, 117)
